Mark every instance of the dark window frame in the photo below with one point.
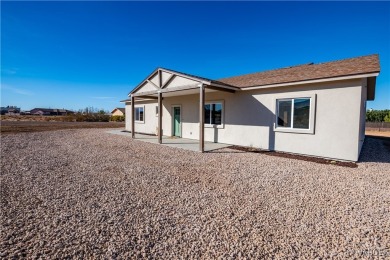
(214, 117)
(291, 117)
(139, 114)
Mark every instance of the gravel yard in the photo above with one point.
(89, 194)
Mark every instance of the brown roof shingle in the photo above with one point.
(347, 67)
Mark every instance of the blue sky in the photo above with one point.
(78, 54)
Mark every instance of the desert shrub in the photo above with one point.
(93, 118)
(79, 117)
(387, 117)
(69, 118)
(117, 118)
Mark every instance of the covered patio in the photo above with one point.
(159, 85)
(182, 143)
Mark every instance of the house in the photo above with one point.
(50, 112)
(118, 111)
(10, 110)
(310, 109)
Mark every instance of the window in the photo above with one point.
(295, 114)
(284, 113)
(213, 113)
(139, 114)
(156, 110)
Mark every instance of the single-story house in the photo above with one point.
(10, 110)
(50, 112)
(310, 109)
(118, 111)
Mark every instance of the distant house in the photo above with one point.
(311, 109)
(118, 111)
(50, 112)
(10, 110)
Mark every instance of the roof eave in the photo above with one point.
(200, 80)
(225, 86)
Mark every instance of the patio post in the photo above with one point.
(159, 117)
(132, 117)
(201, 118)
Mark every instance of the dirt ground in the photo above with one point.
(12, 127)
(30, 118)
(377, 133)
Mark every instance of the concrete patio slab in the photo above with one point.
(183, 143)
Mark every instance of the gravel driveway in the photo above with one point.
(88, 194)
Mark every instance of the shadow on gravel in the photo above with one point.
(223, 150)
(375, 149)
(242, 149)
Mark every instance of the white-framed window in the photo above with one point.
(213, 113)
(156, 110)
(295, 114)
(139, 114)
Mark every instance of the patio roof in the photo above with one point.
(162, 86)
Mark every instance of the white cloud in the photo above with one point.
(16, 90)
(9, 71)
(103, 97)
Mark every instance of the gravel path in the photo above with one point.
(89, 194)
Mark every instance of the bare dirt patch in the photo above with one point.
(12, 127)
(32, 118)
(378, 133)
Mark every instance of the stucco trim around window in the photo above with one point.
(138, 117)
(290, 128)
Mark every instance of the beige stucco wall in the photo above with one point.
(180, 81)
(363, 104)
(249, 118)
(165, 76)
(128, 116)
(150, 121)
(146, 87)
(155, 80)
(117, 112)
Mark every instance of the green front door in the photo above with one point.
(176, 122)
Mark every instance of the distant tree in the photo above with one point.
(377, 115)
(387, 117)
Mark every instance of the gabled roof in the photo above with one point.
(347, 67)
(123, 110)
(186, 75)
(212, 81)
(310, 71)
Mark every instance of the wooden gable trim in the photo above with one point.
(174, 74)
(143, 82)
(154, 85)
(168, 81)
